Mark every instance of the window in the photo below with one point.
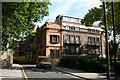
(77, 39)
(57, 54)
(67, 27)
(68, 38)
(52, 53)
(64, 27)
(72, 39)
(93, 40)
(77, 29)
(69, 19)
(89, 30)
(89, 39)
(97, 31)
(54, 38)
(72, 28)
(67, 49)
(77, 49)
(97, 40)
(93, 31)
(73, 49)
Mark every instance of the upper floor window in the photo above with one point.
(97, 31)
(97, 39)
(54, 38)
(89, 30)
(67, 27)
(89, 39)
(64, 27)
(77, 39)
(77, 29)
(68, 38)
(72, 39)
(93, 31)
(72, 28)
(93, 40)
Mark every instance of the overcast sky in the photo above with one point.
(76, 8)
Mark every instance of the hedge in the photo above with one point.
(84, 63)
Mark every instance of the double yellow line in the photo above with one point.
(25, 76)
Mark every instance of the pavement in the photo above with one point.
(12, 73)
(82, 74)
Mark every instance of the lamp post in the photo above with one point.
(106, 39)
(114, 35)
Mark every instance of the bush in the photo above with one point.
(84, 63)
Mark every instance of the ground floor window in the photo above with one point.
(57, 54)
(54, 53)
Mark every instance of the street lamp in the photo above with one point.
(106, 39)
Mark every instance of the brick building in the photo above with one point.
(67, 37)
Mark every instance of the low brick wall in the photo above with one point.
(6, 58)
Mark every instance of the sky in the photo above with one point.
(76, 8)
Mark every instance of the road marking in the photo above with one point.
(25, 76)
(72, 75)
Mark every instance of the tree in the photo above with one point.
(96, 14)
(18, 20)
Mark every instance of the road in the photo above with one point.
(33, 73)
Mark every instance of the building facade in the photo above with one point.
(66, 36)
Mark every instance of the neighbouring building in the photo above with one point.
(66, 36)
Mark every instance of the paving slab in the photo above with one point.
(12, 73)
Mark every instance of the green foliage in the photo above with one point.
(96, 14)
(18, 19)
(113, 47)
(85, 63)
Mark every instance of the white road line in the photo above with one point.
(25, 76)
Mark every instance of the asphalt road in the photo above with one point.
(33, 73)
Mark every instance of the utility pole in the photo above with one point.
(114, 35)
(106, 39)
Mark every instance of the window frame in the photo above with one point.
(77, 41)
(52, 37)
